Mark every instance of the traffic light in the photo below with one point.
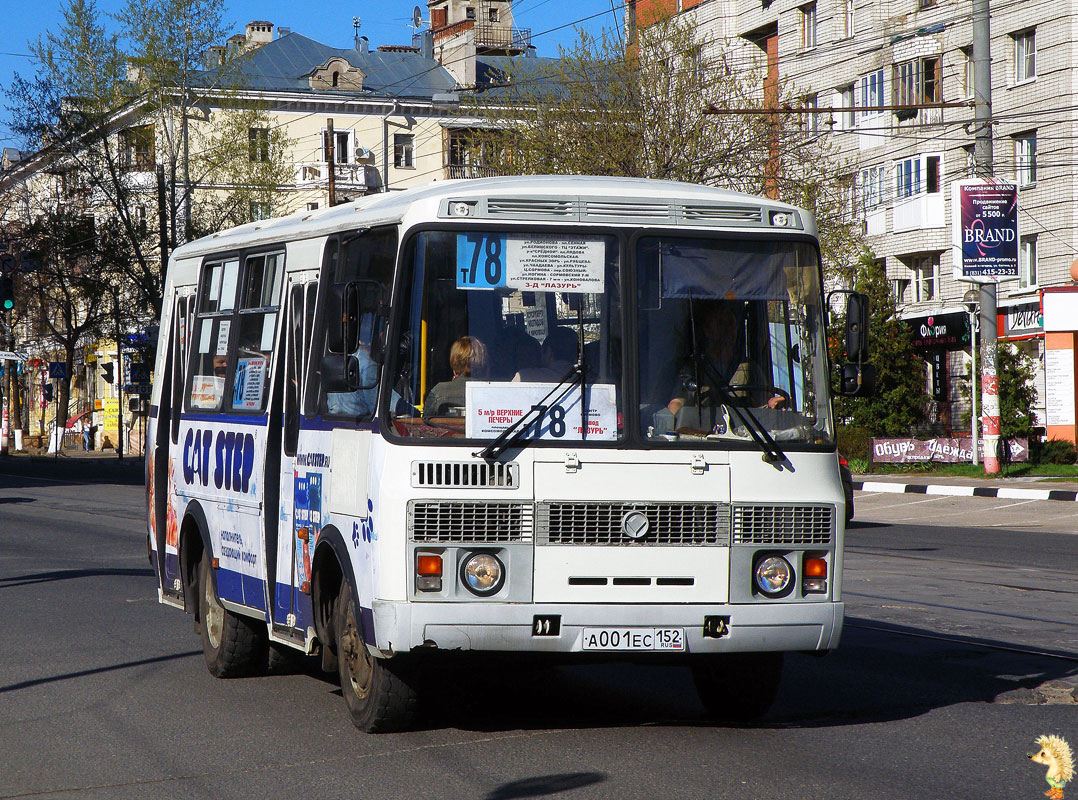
(108, 370)
(7, 293)
(46, 392)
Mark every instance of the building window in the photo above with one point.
(313, 206)
(1025, 56)
(872, 187)
(492, 15)
(469, 12)
(136, 153)
(140, 220)
(1025, 158)
(1027, 262)
(871, 93)
(967, 72)
(844, 98)
(925, 277)
(917, 82)
(898, 289)
(847, 29)
(341, 150)
(258, 144)
(403, 150)
(908, 177)
(971, 159)
(259, 210)
(808, 26)
(810, 120)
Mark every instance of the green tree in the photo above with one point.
(899, 404)
(670, 107)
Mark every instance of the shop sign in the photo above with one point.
(1022, 320)
(949, 450)
(940, 331)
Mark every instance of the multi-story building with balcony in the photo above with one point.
(858, 62)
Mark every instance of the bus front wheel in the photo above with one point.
(233, 645)
(380, 693)
(737, 687)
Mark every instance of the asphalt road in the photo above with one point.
(960, 648)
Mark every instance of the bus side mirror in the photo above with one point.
(857, 380)
(857, 322)
(341, 374)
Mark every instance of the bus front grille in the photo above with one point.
(589, 523)
(784, 525)
(479, 521)
(465, 474)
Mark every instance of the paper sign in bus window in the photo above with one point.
(537, 262)
(206, 391)
(222, 337)
(249, 383)
(491, 407)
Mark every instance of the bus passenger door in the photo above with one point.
(293, 508)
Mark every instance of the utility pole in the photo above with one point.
(982, 154)
(330, 163)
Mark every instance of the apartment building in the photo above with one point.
(855, 61)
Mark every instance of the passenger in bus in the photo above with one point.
(360, 403)
(521, 351)
(559, 355)
(468, 360)
(719, 362)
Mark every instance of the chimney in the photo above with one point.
(213, 57)
(259, 32)
(363, 45)
(235, 45)
(283, 31)
(426, 44)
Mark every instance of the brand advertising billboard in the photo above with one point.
(984, 230)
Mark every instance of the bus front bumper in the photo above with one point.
(754, 627)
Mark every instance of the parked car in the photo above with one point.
(847, 485)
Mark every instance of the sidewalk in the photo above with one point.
(76, 465)
(1025, 488)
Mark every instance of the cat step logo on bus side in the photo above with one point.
(233, 458)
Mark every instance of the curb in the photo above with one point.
(966, 491)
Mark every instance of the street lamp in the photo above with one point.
(971, 301)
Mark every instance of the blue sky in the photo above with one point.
(552, 22)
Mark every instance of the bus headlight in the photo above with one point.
(773, 574)
(483, 574)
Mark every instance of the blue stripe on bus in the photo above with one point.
(245, 590)
(318, 423)
(235, 419)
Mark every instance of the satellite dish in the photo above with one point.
(417, 17)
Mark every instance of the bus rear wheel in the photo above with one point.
(737, 687)
(233, 645)
(380, 693)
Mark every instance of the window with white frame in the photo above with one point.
(342, 151)
(1027, 262)
(810, 120)
(971, 159)
(258, 144)
(847, 22)
(898, 289)
(926, 275)
(967, 72)
(917, 82)
(259, 210)
(404, 150)
(1025, 158)
(916, 175)
(872, 186)
(1025, 55)
(844, 98)
(870, 94)
(808, 26)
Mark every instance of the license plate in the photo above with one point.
(633, 639)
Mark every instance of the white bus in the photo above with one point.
(545, 415)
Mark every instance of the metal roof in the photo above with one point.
(284, 64)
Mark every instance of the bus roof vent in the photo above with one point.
(528, 207)
(465, 475)
(722, 214)
(626, 209)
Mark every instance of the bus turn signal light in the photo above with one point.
(814, 573)
(815, 568)
(428, 573)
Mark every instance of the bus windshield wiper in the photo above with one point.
(773, 454)
(516, 432)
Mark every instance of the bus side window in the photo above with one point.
(259, 303)
(294, 370)
(370, 256)
(213, 329)
(181, 323)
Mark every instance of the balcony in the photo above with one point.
(315, 174)
(459, 171)
(487, 36)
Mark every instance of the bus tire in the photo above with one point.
(380, 693)
(737, 687)
(233, 645)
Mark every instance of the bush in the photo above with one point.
(1054, 451)
(855, 443)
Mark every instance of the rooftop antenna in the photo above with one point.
(355, 28)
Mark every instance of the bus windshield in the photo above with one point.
(497, 324)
